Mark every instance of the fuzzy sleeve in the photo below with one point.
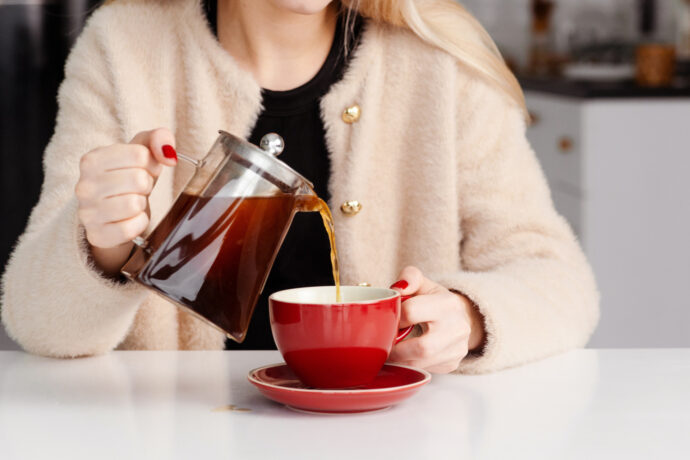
(521, 264)
(54, 303)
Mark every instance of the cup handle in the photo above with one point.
(402, 333)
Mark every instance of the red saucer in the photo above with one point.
(393, 384)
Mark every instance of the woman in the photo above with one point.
(403, 111)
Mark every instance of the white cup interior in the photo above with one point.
(326, 294)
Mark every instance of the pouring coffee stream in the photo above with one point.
(212, 252)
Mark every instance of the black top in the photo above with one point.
(304, 257)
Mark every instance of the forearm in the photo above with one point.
(531, 308)
(54, 302)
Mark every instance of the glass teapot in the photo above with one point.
(213, 250)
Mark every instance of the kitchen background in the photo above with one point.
(607, 84)
(604, 21)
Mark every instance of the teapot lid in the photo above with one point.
(263, 160)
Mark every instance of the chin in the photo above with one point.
(302, 6)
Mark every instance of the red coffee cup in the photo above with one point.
(330, 344)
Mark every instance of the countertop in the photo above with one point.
(586, 404)
(600, 90)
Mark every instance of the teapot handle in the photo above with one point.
(190, 160)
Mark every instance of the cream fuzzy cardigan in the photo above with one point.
(438, 159)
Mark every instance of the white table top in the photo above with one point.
(585, 404)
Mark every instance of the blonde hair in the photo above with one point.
(449, 26)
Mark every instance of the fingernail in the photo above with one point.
(402, 284)
(169, 152)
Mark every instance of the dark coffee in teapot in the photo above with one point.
(212, 254)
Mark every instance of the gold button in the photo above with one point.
(352, 114)
(364, 284)
(350, 208)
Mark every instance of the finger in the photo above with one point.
(121, 156)
(417, 283)
(121, 207)
(115, 234)
(440, 361)
(448, 360)
(161, 142)
(416, 351)
(422, 309)
(125, 181)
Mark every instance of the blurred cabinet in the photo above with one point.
(619, 171)
(555, 134)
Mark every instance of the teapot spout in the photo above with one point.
(306, 190)
(308, 200)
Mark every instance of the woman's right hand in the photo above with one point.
(113, 189)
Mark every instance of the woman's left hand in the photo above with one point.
(451, 324)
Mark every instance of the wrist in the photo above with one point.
(109, 261)
(476, 319)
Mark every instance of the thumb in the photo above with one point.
(161, 143)
(411, 281)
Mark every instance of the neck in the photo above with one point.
(282, 49)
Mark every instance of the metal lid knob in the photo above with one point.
(272, 144)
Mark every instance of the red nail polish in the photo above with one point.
(169, 152)
(402, 284)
